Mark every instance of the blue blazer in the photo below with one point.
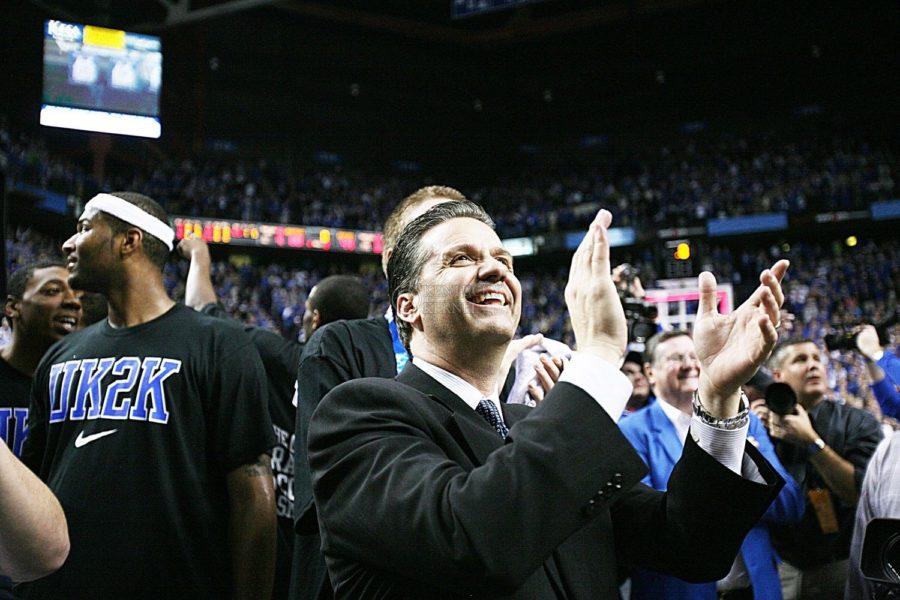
(654, 437)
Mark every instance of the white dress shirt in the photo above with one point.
(610, 388)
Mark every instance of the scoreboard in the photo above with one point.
(273, 235)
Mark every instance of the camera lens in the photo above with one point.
(780, 398)
(890, 557)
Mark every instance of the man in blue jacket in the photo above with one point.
(658, 432)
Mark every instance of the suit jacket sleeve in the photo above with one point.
(396, 493)
(694, 530)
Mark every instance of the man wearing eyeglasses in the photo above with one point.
(658, 434)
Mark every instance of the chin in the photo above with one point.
(85, 284)
(496, 334)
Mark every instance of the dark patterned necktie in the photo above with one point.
(488, 410)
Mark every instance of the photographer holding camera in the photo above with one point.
(640, 314)
(883, 367)
(825, 446)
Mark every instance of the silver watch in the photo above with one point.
(736, 422)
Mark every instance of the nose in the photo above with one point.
(69, 245)
(71, 299)
(493, 269)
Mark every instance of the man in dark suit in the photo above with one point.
(341, 352)
(336, 353)
(428, 487)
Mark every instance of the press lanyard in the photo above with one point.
(400, 354)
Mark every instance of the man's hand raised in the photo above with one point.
(193, 248)
(598, 320)
(732, 347)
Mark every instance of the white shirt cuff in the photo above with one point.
(724, 445)
(600, 380)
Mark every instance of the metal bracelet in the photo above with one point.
(736, 422)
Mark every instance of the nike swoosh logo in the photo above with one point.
(84, 440)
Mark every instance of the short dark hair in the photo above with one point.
(393, 225)
(778, 354)
(340, 297)
(659, 338)
(405, 264)
(154, 249)
(18, 281)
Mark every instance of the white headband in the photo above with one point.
(133, 215)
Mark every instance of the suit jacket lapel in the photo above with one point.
(472, 432)
(665, 432)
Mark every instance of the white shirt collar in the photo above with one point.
(456, 384)
(680, 420)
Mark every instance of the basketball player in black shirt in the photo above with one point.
(152, 429)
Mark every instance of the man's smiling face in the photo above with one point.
(467, 288)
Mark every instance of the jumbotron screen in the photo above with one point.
(98, 79)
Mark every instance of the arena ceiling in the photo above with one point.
(341, 73)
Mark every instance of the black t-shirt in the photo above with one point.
(15, 394)
(135, 431)
(854, 435)
(280, 358)
(338, 352)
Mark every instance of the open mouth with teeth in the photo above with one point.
(487, 298)
(67, 324)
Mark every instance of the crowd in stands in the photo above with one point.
(830, 287)
(676, 184)
(679, 183)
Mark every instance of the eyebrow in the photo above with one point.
(54, 281)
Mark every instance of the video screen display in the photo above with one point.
(100, 79)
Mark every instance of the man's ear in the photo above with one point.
(648, 372)
(776, 375)
(132, 240)
(11, 308)
(316, 318)
(408, 310)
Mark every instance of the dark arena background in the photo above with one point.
(745, 130)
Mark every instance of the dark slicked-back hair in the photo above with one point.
(405, 265)
(663, 336)
(340, 297)
(776, 359)
(393, 225)
(18, 281)
(154, 249)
